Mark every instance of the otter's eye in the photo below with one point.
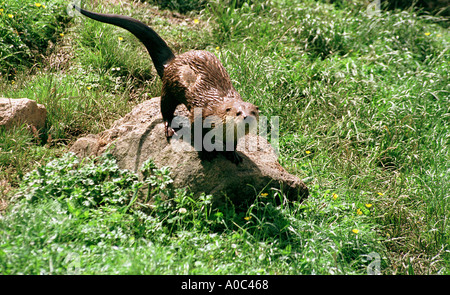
(228, 109)
(239, 113)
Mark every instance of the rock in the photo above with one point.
(139, 135)
(18, 111)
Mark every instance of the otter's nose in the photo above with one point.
(244, 114)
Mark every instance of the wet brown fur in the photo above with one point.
(197, 79)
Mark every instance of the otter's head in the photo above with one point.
(239, 117)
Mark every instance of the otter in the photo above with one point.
(196, 79)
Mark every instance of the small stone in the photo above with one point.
(17, 111)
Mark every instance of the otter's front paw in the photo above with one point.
(168, 130)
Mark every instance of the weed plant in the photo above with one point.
(28, 28)
(86, 218)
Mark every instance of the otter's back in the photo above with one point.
(199, 79)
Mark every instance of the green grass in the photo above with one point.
(368, 97)
(364, 108)
(27, 26)
(87, 218)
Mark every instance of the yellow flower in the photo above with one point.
(380, 194)
(217, 48)
(355, 231)
(248, 218)
(427, 34)
(13, 82)
(196, 21)
(38, 4)
(359, 212)
(120, 38)
(264, 194)
(61, 34)
(43, 6)
(10, 15)
(335, 197)
(89, 88)
(1, 9)
(368, 205)
(308, 152)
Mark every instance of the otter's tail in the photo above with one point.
(158, 49)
